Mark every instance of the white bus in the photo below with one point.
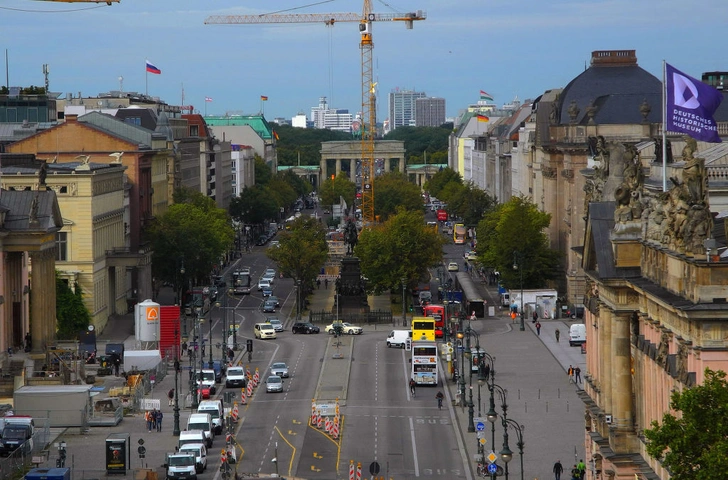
(424, 363)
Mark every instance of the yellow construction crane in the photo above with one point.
(107, 2)
(368, 86)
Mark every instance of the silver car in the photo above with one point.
(280, 369)
(274, 383)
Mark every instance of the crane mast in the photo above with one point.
(368, 86)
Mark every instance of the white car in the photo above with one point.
(452, 267)
(199, 451)
(274, 383)
(263, 282)
(347, 328)
(235, 377)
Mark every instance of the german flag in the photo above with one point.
(482, 118)
(263, 98)
(275, 135)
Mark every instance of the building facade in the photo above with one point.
(91, 199)
(429, 112)
(403, 107)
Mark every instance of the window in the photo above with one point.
(194, 130)
(61, 246)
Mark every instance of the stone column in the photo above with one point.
(144, 287)
(621, 383)
(43, 299)
(338, 166)
(605, 356)
(387, 165)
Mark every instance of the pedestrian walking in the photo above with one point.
(159, 418)
(535, 317)
(412, 386)
(326, 283)
(170, 396)
(575, 473)
(558, 470)
(558, 334)
(538, 328)
(117, 365)
(581, 466)
(318, 284)
(577, 375)
(571, 373)
(148, 419)
(184, 348)
(154, 419)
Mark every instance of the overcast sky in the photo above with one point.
(508, 49)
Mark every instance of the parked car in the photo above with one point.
(280, 369)
(452, 267)
(347, 328)
(276, 323)
(304, 327)
(235, 377)
(274, 383)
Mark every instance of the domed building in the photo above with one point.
(644, 251)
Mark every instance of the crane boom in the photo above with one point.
(325, 18)
(368, 86)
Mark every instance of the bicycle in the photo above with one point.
(412, 388)
(439, 400)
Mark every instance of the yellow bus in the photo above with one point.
(423, 328)
(458, 234)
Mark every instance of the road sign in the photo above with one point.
(482, 441)
(480, 434)
(480, 426)
(374, 468)
(492, 457)
(492, 468)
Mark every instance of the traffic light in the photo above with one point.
(249, 345)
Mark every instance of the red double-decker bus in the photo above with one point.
(438, 313)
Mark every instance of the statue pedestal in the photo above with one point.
(352, 298)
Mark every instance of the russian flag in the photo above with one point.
(152, 69)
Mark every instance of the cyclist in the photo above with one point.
(412, 385)
(439, 398)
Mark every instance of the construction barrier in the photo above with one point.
(358, 471)
(223, 456)
(352, 471)
(234, 414)
(256, 378)
(319, 420)
(327, 425)
(250, 389)
(243, 399)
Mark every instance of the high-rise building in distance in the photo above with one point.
(429, 112)
(402, 107)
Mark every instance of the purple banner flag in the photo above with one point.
(691, 105)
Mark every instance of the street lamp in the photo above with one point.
(518, 265)
(461, 388)
(519, 434)
(492, 415)
(469, 355)
(298, 300)
(404, 302)
(175, 427)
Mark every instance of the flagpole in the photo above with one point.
(205, 107)
(664, 127)
(146, 82)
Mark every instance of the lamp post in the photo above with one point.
(461, 388)
(175, 427)
(404, 302)
(518, 265)
(492, 415)
(179, 295)
(198, 340)
(507, 422)
(469, 355)
(298, 299)
(209, 340)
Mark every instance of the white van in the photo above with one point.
(577, 334)
(191, 436)
(202, 421)
(200, 453)
(398, 338)
(216, 411)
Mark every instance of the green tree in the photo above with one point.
(401, 247)
(282, 191)
(422, 144)
(513, 234)
(341, 186)
(299, 185)
(254, 206)
(302, 146)
(469, 202)
(438, 181)
(694, 444)
(302, 250)
(195, 232)
(391, 191)
(71, 313)
(263, 172)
